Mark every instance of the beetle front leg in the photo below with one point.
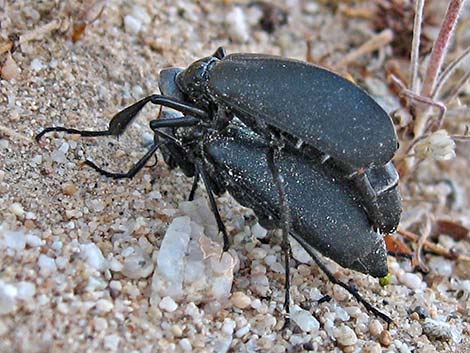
(272, 156)
(134, 170)
(121, 120)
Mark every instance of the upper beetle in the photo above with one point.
(303, 102)
(302, 105)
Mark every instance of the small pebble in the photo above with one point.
(104, 306)
(375, 327)
(411, 280)
(258, 231)
(34, 241)
(168, 304)
(242, 331)
(339, 293)
(345, 336)
(26, 290)
(47, 265)
(8, 293)
(237, 25)
(111, 342)
(100, 324)
(69, 189)
(185, 345)
(36, 64)
(10, 69)
(13, 240)
(17, 209)
(240, 300)
(93, 256)
(298, 252)
(132, 24)
(304, 319)
(371, 347)
(137, 265)
(385, 338)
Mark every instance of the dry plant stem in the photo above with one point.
(414, 60)
(439, 49)
(14, 134)
(36, 33)
(450, 69)
(39, 32)
(456, 89)
(422, 99)
(373, 44)
(435, 248)
(418, 255)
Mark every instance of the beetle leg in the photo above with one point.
(194, 187)
(272, 156)
(334, 280)
(220, 224)
(121, 120)
(134, 170)
(183, 121)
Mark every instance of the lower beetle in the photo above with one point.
(325, 213)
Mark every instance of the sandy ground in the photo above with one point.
(59, 293)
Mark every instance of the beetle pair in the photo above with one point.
(310, 155)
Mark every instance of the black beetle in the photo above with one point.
(184, 142)
(325, 212)
(294, 103)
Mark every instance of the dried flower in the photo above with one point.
(438, 146)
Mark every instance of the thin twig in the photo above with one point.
(449, 71)
(424, 100)
(418, 256)
(456, 89)
(14, 134)
(373, 44)
(435, 248)
(414, 59)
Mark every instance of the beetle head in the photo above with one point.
(193, 80)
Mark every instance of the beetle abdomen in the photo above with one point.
(324, 212)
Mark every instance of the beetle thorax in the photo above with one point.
(193, 81)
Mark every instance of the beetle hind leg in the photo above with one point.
(272, 156)
(205, 179)
(351, 289)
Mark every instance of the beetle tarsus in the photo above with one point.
(135, 168)
(84, 133)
